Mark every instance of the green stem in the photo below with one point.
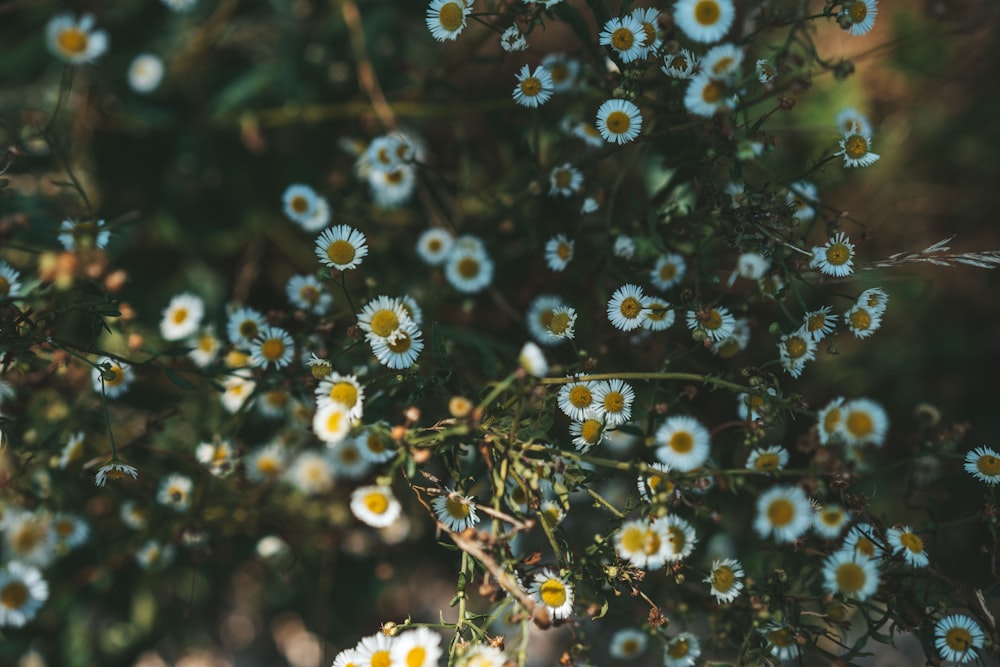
(693, 377)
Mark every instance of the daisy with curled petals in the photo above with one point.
(983, 463)
(532, 360)
(830, 520)
(681, 537)
(726, 579)
(558, 252)
(859, 15)
(668, 271)
(345, 390)
(587, 432)
(626, 37)
(835, 258)
(533, 89)
(434, 244)
(237, 390)
(704, 21)
(680, 65)
(175, 493)
(553, 591)
(272, 347)
(619, 121)
(628, 644)
(850, 574)
(218, 456)
(875, 300)
(539, 317)
(341, 247)
(420, 647)
(402, 347)
(332, 422)
(576, 399)
(795, 349)
(768, 459)
(375, 650)
(182, 316)
(446, 18)
(562, 324)
(111, 376)
(716, 322)
(857, 150)
(861, 321)
(455, 511)
(903, 540)
(783, 512)
(780, 641)
(114, 469)
(655, 482)
(819, 323)
(375, 506)
(626, 306)
(23, 591)
(565, 181)
(658, 315)
(958, 638)
(682, 443)
(512, 39)
(864, 422)
(852, 121)
(642, 544)
(765, 71)
(75, 41)
(613, 401)
(707, 95)
(682, 651)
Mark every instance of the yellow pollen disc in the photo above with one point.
(117, 376)
(344, 393)
(272, 349)
(25, 539)
(451, 16)
(395, 177)
(559, 323)
(64, 528)
(564, 252)
(815, 322)
(376, 502)
(677, 538)
(383, 323)
(416, 656)
(657, 312)
(668, 271)
(958, 639)
(591, 130)
(340, 252)
(334, 421)
(713, 92)
(580, 397)
(650, 33)
(614, 402)
(865, 547)
(468, 268)
(832, 420)
(381, 659)
(859, 424)
(4, 286)
(206, 343)
(861, 320)
(858, 12)
(375, 444)
(838, 254)
(723, 65)
(630, 646)
(851, 578)
(679, 63)
(401, 343)
(248, 329)
(309, 294)
(678, 649)
(768, 462)
(831, 517)
(531, 86)
(618, 122)
(14, 595)
(622, 39)
(180, 315)
(707, 12)
(795, 347)
(681, 442)
(856, 146)
(988, 465)
(723, 578)
(551, 516)
(651, 542)
(349, 455)
(782, 637)
(456, 509)
(559, 72)
(563, 178)
(434, 245)
(630, 307)
(72, 41)
(382, 155)
(299, 204)
(912, 542)
(268, 466)
(781, 512)
(545, 317)
(634, 540)
(590, 430)
(713, 321)
(553, 593)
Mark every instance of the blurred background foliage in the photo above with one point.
(260, 94)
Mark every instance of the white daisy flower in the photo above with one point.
(850, 574)
(717, 322)
(642, 544)
(306, 293)
(587, 432)
(649, 17)
(83, 235)
(244, 325)
(668, 271)
(114, 469)
(875, 300)
(783, 512)
(375, 650)
(402, 347)
(468, 269)
(75, 41)
(532, 360)
(958, 638)
(576, 399)
(273, 403)
(420, 647)
(332, 422)
(658, 316)
(218, 456)
(682, 443)
(533, 89)
(863, 540)
(681, 537)
(28, 538)
(706, 95)
(830, 520)
(23, 591)
(751, 407)
(303, 206)
(851, 121)
(182, 317)
(800, 197)
(818, 323)
(830, 419)
(861, 14)
(539, 317)
(393, 187)
(861, 321)
(237, 390)
(347, 461)
(554, 592)
(624, 247)
(654, 482)
(434, 244)
(983, 463)
(613, 401)
(856, 149)
(767, 459)
(375, 506)
(10, 281)
(795, 349)
(382, 316)
(344, 390)
(113, 377)
(726, 579)
(704, 21)
(446, 19)
(834, 258)
(903, 540)
(512, 39)
(682, 651)
(73, 450)
(619, 121)
(765, 71)
(311, 473)
(205, 346)
(863, 422)
(628, 644)
(145, 73)
(341, 247)
(563, 70)
(558, 252)
(455, 511)
(272, 347)
(723, 62)
(565, 180)
(780, 641)
(266, 463)
(133, 515)
(175, 492)
(589, 205)
(751, 265)
(626, 307)
(680, 65)
(374, 445)
(735, 342)
(626, 36)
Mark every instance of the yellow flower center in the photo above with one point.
(622, 39)
(723, 578)
(707, 12)
(681, 442)
(559, 323)
(988, 465)
(72, 41)
(851, 578)
(180, 315)
(468, 268)
(531, 86)
(630, 646)
(375, 444)
(14, 595)
(344, 393)
(401, 343)
(650, 31)
(64, 528)
(268, 465)
(349, 455)
(781, 512)
(456, 508)
(815, 322)
(630, 307)
(559, 72)
(415, 656)
(958, 639)
(590, 430)
(618, 122)
(451, 16)
(723, 65)
(580, 396)
(553, 593)
(668, 271)
(713, 92)
(334, 421)
(634, 540)
(395, 177)
(435, 245)
(340, 252)
(651, 542)
(206, 343)
(795, 347)
(272, 349)
(912, 542)
(838, 254)
(859, 424)
(767, 462)
(679, 63)
(4, 287)
(865, 547)
(564, 251)
(678, 648)
(115, 376)
(614, 402)
(713, 321)
(831, 420)
(299, 204)
(856, 146)
(26, 538)
(248, 329)
(384, 322)
(309, 294)
(858, 12)
(677, 538)
(376, 502)
(381, 659)
(563, 178)
(832, 517)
